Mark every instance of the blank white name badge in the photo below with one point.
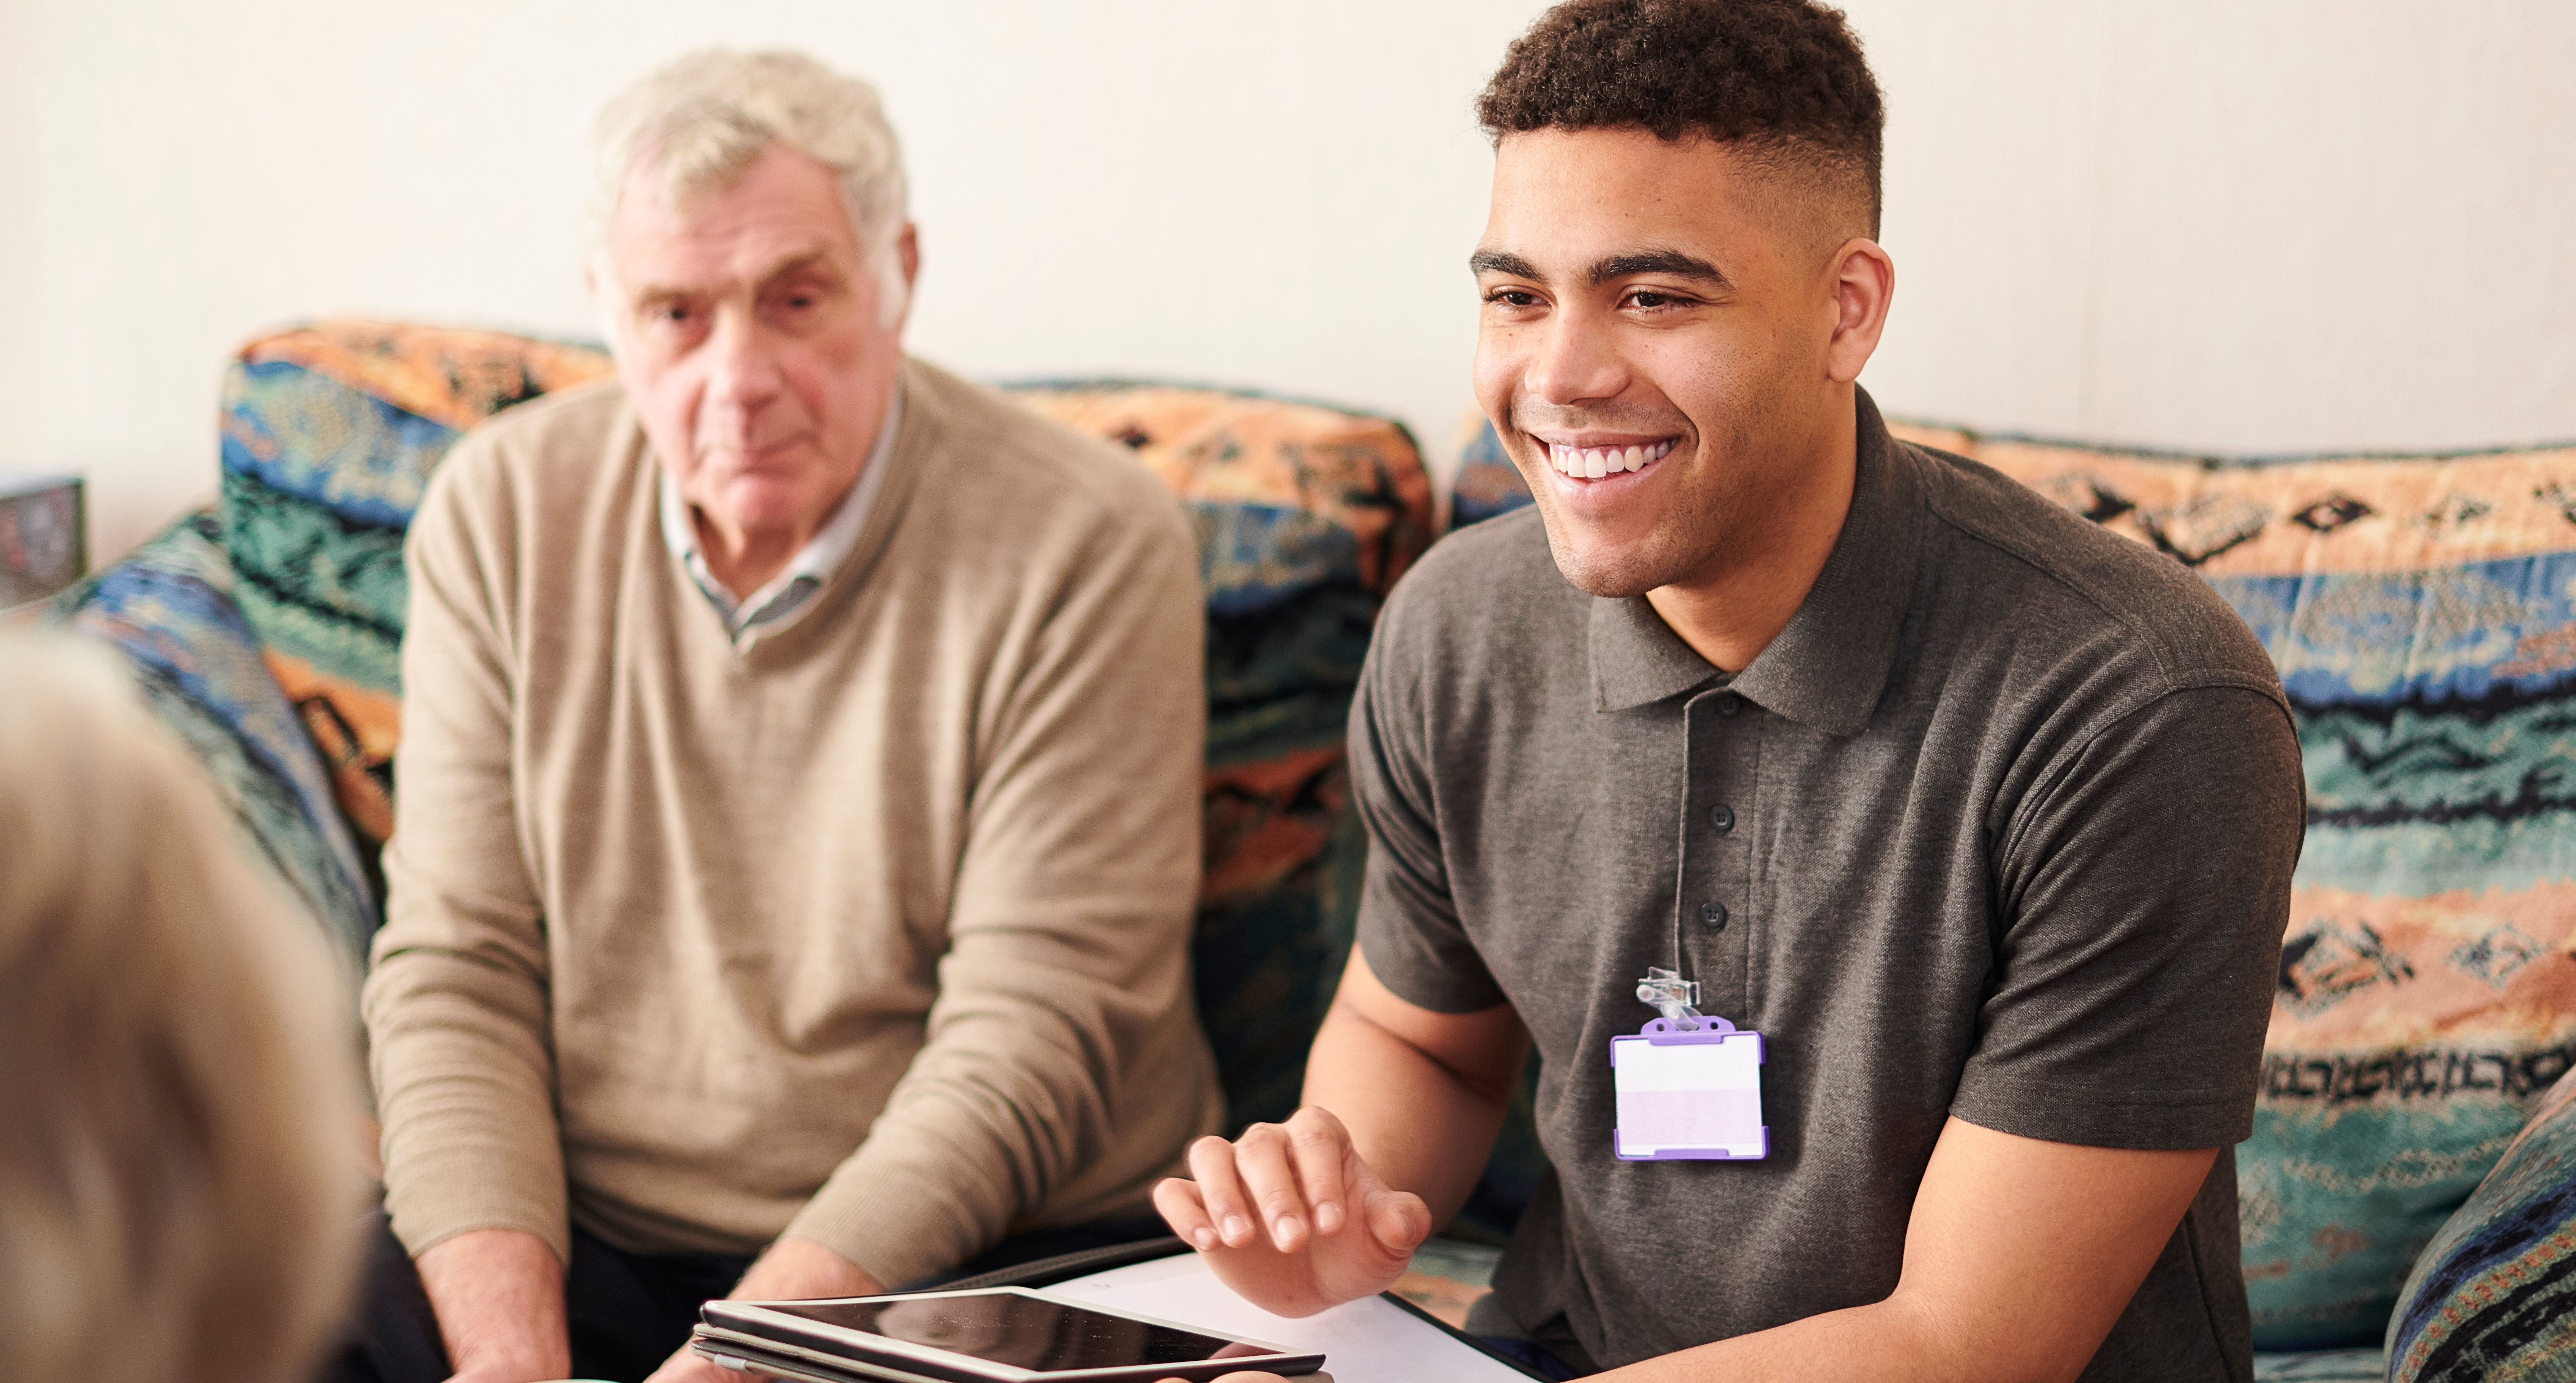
(1689, 1095)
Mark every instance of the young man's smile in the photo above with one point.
(1587, 459)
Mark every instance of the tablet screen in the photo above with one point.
(1022, 1331)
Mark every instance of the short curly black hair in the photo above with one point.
(1784, 79)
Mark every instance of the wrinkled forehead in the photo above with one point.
(782, 210)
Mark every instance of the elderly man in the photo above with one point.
(799, 787)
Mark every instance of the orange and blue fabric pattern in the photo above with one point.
(2494, 1295)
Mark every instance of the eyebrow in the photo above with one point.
(786, 265)
(1670, 262)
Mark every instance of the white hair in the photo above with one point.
(180, 1108)
(702, 121)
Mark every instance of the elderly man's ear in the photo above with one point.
(908, 245)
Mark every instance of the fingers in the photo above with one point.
(1285, 1183)
(1399, 1220)
(1215, 1164)
(1177, 1201)
(1262, 1158)
(1320, 1150)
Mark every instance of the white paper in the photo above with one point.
(1371, 1340)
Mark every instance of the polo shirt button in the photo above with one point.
(1722, 817)
(1728, 705)
(1713, 916)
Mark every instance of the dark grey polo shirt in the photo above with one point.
(2001, 826)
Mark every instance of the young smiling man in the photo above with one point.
(1982, 818)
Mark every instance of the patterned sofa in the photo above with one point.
(2422, 611)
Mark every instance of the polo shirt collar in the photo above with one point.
(1829, 665)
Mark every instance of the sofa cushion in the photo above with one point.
(1306, 515)
(169, 608)
(2494, 1294)
(2422, 613)
(330, 432)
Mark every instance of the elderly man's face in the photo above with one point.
(747, 332)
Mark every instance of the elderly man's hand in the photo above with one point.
(792, 1270)
(1292, 1217)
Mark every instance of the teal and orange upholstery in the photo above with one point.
(2422, 614)
(2494, 1295)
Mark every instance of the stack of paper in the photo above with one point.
(1372, 1340)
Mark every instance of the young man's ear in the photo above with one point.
(1864, 281)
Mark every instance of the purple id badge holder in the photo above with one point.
(1689, 1086)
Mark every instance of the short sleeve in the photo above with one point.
(1409, 930)
(2142, 887)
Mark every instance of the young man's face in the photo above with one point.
(1658, 350)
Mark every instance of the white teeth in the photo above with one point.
(1594, 463)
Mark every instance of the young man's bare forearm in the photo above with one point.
(2019, 1256)
(1423, 1094)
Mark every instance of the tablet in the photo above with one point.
(1001, 1335)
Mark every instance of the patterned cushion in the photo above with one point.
(1306, 516)
(2422, 612)
(2494, 1295)
(329, 434)
(169, 609)
(2322, 1366)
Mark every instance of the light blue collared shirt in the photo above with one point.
(778, 603)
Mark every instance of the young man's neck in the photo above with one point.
(1732, 613)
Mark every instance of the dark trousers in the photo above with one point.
(627, 1312)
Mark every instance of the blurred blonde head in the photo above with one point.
(179, 1178)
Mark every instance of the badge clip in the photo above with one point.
(1688, 1084)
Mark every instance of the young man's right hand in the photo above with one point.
(1292, 1217)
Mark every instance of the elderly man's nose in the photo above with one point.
(745, 367)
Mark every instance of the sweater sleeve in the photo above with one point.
(1068, 937)
(455, 1000)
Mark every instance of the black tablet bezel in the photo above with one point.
(755, 1321)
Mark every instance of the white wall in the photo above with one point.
(2242, 227)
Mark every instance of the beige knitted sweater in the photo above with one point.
(873, 931)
